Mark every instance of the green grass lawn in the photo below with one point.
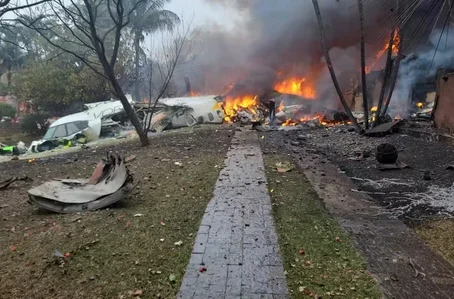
(120, 252)
(319, 259)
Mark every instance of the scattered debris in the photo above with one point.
(394, 166)
(109, 183)
(138, 293)
(284, 167)
(384, 129)
(5, 184)
(427, 176)
(179, 243)
(172, 278)
(57, 253)
(414, 266)
(184, 112)
(302, 137)
(386, 153)
(138, 215)
(295, 143)
(384, 183)
(130, 159)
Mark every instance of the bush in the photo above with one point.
(7, 110)
(35, 124)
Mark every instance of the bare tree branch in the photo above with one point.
(84, 37)
(4, 8)
(167, 58)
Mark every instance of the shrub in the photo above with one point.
(35, 124)
(7, 110)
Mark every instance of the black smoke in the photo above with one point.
(279, 39)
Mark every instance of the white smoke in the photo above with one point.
(422, 66)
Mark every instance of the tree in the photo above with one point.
(330, 66)
(8, 6)
(172, 51)
(386, 75)
(58, 87)
(94, 26)
(7, 110)
(11, 54)
(363, 65)
(148, 18)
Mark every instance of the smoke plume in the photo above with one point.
(423, 65)
(279, 39)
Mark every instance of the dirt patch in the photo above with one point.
(318, 256)
(116, 252)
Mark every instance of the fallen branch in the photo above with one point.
(417, 272)
(5, 184)
(59, 259)
(85, 245)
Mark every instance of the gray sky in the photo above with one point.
(202, 13)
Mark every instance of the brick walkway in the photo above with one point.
(237, 242)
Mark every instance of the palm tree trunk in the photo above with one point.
(331, 69)
(363, 66)
(394, 76)
(137, 66)
(395, 71)
(385, 77)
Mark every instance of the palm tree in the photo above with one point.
(12, 55)
(148, 18)
(330, 66)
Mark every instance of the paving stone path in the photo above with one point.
(237, 243)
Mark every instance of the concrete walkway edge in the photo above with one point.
(236, 251)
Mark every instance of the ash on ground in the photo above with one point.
(423, 190)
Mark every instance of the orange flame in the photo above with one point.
(281, 107)
(395, 49)
(296, 86)
(318, 117)
(232, 106)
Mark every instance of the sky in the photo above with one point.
(202, 13)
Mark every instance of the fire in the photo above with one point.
(296, 86)
(281, 107)
(232, 106)
(395, 48)
(308, 118)
(420, 105)
(374, 109)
